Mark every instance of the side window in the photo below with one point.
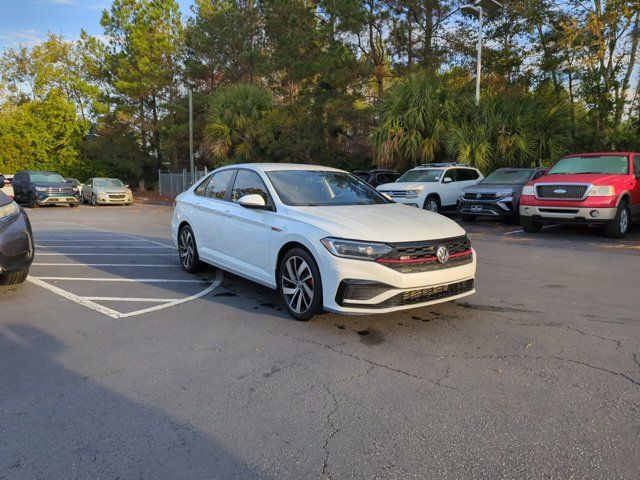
(90, 182)
(636, 164)
(201, 188)
(219, 185)
(539, 174)
(472, 174)
(453, 174)
(249, 183)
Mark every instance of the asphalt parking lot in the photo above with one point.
(116, 364)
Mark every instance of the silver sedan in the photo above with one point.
(106, 191)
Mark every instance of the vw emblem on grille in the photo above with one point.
(479, 195)
(443, 254)
(560, 191)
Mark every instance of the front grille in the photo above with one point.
(561, 191)
(483, 196)
(558, 210)
(51, 190)
(116, 197)
(413, 257)
(422, 295)
(400, 194)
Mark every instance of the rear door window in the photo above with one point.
(218, 186)
(636, 164)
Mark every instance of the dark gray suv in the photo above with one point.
(497, 195)
(16, 242)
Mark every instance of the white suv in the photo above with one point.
(434, 187)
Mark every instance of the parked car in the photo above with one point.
(434, 187)
(589, 188)
(16, 242)
(377, 177)
(323, 239)
(106, 191)
(6, 186)
(38, 188)
(497, 195)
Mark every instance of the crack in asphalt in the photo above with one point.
(616, 341)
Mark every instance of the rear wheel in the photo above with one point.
(619, 226)
(13, 278)
(300, 284)
(188, 250)
(530, 226)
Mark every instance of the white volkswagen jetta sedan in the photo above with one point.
(325, 239)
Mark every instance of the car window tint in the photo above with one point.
(453, 174)
(472, 174)
(249, 183)
(539, 174)
(200, 189)
(636, 165)
(218, 186)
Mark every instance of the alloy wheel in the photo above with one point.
(432, 206)
(186, 248)
(624, 220)
(297, 284)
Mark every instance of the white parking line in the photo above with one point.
(145, 265)
(131, 299)
(123, 280)
(104, 246)
(90, 240)
(514, 231)
(49, 254)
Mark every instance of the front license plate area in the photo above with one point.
(476, 208)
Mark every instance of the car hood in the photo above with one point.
(390, 222)
(400, 186)
(492, 188)
(593, 178)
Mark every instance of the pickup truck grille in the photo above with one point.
(413, 257)
(561, 191)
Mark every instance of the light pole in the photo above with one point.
(480, 8)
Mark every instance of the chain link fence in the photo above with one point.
(172, 184)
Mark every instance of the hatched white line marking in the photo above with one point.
(74, 298)
(87, 302)
(131, 299)
(147, 265)
(123, 280)
(106, 254)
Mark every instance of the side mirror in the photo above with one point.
(447, 180)
(252, 201)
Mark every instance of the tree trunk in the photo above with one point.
(633, 52)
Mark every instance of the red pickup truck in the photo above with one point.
(588, 188)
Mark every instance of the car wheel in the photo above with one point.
(13, 278)
(530, 226)
(514, 218)
(74, 205)
(93, 200)
(300, 284)
(619, 226)
(33, 201)
(432, 204)
(188, 251)
(468, 218)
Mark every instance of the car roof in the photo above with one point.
(273, 167)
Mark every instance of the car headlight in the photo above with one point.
(75, 189)
(414, 193)
(602, 191)
(355, 249)
(528, 190)
(504, 193)
(9, 210)
(41, 189)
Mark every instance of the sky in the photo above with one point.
(26, 22)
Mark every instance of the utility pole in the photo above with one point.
(479, 8)
(192, 167)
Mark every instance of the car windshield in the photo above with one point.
(613, 164)
(422, 175)
(46, 178)
(508, 177)
(108, 182)
(312, 188)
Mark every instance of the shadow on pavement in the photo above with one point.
(55, 423)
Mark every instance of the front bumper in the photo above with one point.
(44, 198)
(16, 243)
(110, 200)
(502, 207)
(568, 214)
(361, 287)
(411, 201)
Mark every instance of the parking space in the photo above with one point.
(119, 275)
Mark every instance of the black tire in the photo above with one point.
(514, 218)
(94, 202)
(467, 218)
(619, 226)
(74, 205)
(33, 201)
(432, 204)
(294, 287)
(530, 226)
(188, 251)
(13, 278)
